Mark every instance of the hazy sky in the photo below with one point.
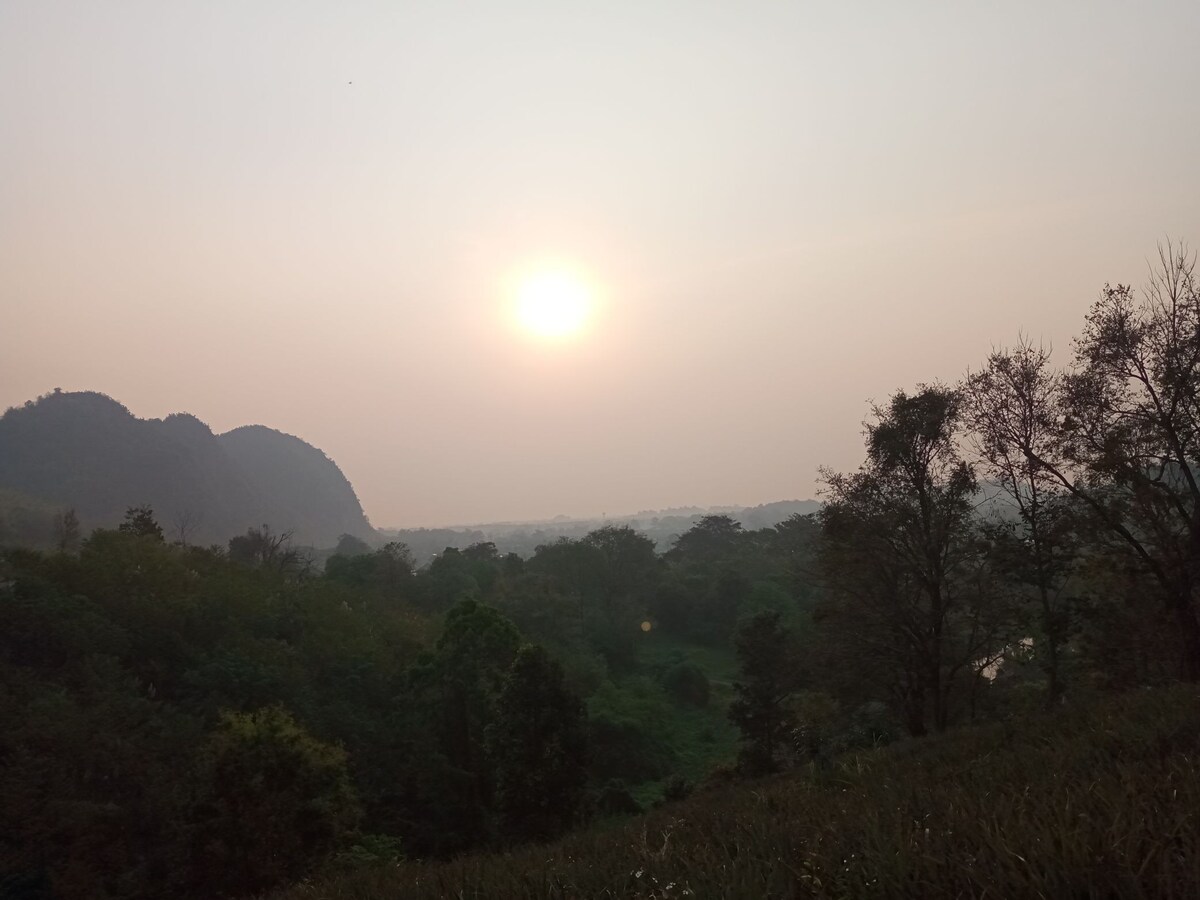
(308, 215)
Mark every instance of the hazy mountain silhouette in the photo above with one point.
(87, 451)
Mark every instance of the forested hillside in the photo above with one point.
(86, 452)
(188, 722)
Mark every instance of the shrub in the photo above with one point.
(687, 685)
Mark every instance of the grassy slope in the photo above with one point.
(1096, 802)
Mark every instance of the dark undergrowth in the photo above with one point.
(1097, 802)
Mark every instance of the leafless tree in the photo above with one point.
(186, 522)
(66, 531)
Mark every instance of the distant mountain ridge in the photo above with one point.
(87, 451)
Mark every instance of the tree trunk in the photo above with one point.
(936, 686)
(1189, 637)
(1051, 629)
(913, 701)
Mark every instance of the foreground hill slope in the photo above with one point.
(87, 451)
(1102, 801)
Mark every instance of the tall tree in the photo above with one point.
(1012, 408)
(466, 673)
(711, 540)
(768, 676)
(139, 521)
(1127, 435)
(899, 546)
(1133, 421)
(277, 802)
(538, 746)
(260, 548)
(66, 531)
(630, 562)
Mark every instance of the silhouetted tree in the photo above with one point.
(463, 679)
(538, 745)
(139, 521)
(767, 677)
(712, 539)
(1124, 435)
(66, 531)
(630, 564)
(261, 549)
(1013, 408)
(185, 522)
(349, 545)
(1132, 432)
(900, 555)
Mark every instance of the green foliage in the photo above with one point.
(351, 545)
(388, 572)
(368, 851)
(614, 800)
(676, 788)
(260, 548)
(631, 566)
(687, 684)
(167, 642)
(275, 802)
(1097, 802)
(459, 686)
(476, 647)
(139, 522)
(711, 541)
(537, 743)
(768, 678)
(911, 596)
(112, 662)
(453, 577)
(768, 596)
(613, 572)
(627, 723)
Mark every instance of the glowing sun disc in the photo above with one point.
(553, 304)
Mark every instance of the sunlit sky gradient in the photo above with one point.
(306, 214)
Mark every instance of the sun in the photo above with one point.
(553, 303)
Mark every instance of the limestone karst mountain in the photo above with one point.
(87, 451)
